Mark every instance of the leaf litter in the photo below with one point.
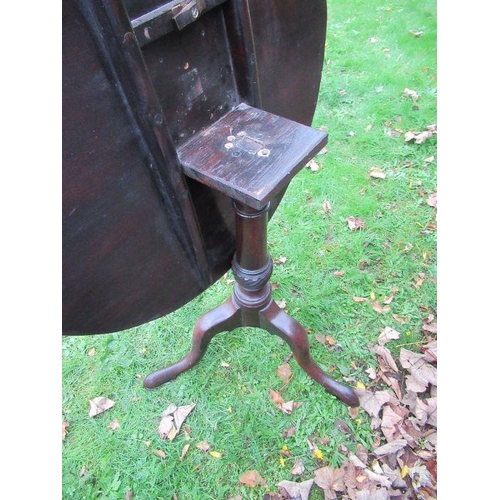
(402, 405)
(172, 419)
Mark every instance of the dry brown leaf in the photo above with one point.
(419, 280)
(252, 478)
(298, 469)
(330, 480)
(372, 402)
(276, 397)
(313, 165)
(160, 453)
(356, 461)
(129, 495)
(387, 335)
(390, 419)
(386, 360)
(420, 137)
(65, 426)
(281, 303)
(289, 431)
(354, 223)
(91, 352)
(280, 260)
(203, 446)
(432, 200)
(428, 325)
(289, 406)
(284, 372)
(411, 93)
(399, 319)
(330, 340)
(430, 351)
(320, 338)
(99, 405)
(184, 451)
(338, 273)
(416, 33)
(172, 419)
(421, 371)
(359, 299)
(114, 424)
(326, 206)
(377, 307)
(376, 172)
(391, 447)
(426, 411)
(296, 491)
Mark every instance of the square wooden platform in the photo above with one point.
(250, 154)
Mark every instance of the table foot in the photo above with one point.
(225, 317)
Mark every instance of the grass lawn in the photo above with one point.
(374, 52)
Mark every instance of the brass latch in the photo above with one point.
(187, 12)
(170, 16)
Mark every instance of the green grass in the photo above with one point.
(371, 57)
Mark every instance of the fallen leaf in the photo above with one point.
(387, 335)
(426, 411)
(432, 200)
(184, 451)
(281, 303)
(330, 480)
(91, 351)
(114, 424)
(215, 454)
(172, 419)
(338, 273)
(276, 397)
(252, 478)
(399, 319)
(416, 33)
(129, 495)
(411, 93)
(280, 260)
(390, 419)
(65, 426)
(224, 364)
(391, 447)
(298, 469)
(386, 360)
(160, 453)
(288, 406)
(359, 299)
(377, 307)
(422, 372)
(82, 471)
(420, 137)
(372, 402)
(376, 173)
(203, 445)
(99, 405)
(419, 280)
(313, 165)
(296, 491)
(330, 340)
(290, 431)
(354, 223)
(326, 206)
(284, 372)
